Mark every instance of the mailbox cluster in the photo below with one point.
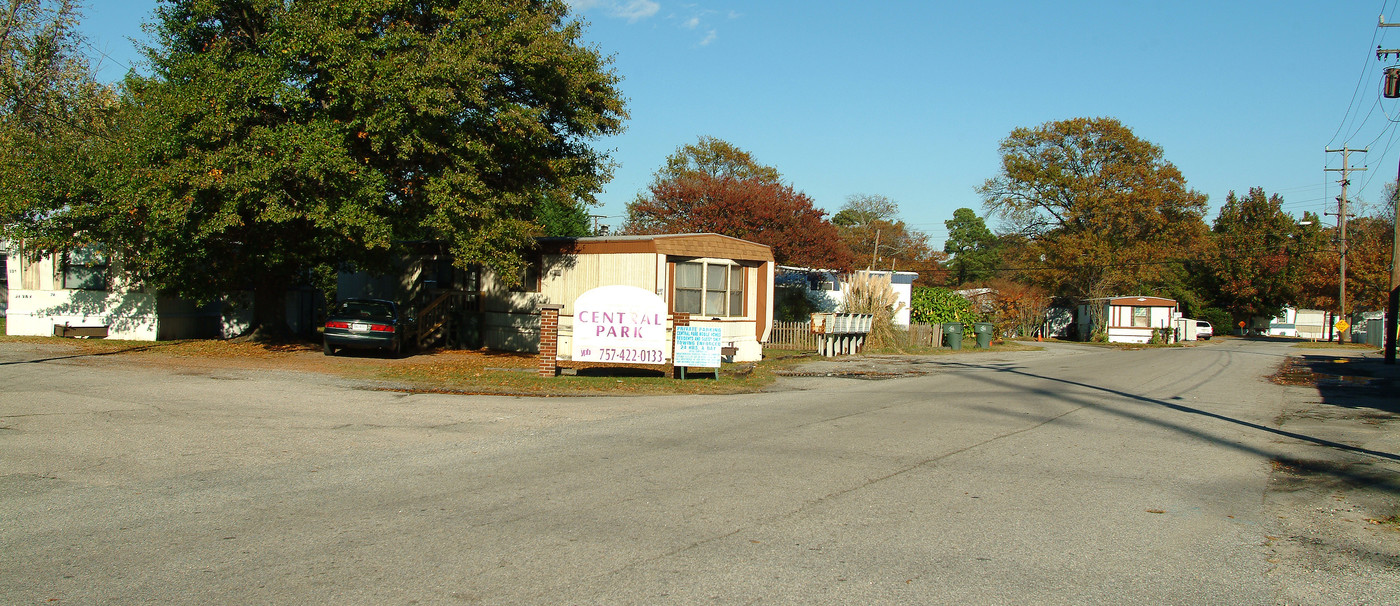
(840, 334)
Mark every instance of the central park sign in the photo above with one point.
(620, 324)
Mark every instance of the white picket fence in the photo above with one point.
(798, 335)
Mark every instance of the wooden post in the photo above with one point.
(679, 318)
(549, 340)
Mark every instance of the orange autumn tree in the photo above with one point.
(1369, 238)
(870, 226)
(1018, 308)
(1368, 262)
(1101, 211)
(714, 187)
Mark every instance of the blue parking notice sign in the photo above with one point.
(698, 346)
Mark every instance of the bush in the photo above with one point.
(1219, 319)
(791, 304)
(940, 305)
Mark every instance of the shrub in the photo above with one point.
(1219, 319)
(939, 305)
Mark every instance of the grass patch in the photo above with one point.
(461, 372)
(436, 371)
(515, 374)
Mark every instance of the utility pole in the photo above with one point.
(1391, 90)
(1342, 231)
(595, 219)
(874, 254)
(1392, 308)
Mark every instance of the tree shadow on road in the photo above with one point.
(1349, 382)
(1387, 482)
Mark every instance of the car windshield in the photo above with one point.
(365, 309)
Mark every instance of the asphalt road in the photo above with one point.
(1066, 476)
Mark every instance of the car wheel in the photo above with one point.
(327, 349)
(394, 349)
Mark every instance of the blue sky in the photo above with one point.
(910, 99)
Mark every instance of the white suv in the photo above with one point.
(1204, 330)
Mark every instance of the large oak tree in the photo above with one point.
(1102, 211)
(274, 140)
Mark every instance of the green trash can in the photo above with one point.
(984, 334)
(952, 335)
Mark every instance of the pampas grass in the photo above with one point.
(873, 294)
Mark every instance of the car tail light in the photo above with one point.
(345, 325)
(381, 328)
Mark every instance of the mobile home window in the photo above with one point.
(85, 268)
(531, 274)
(709, 289)
(1142, 317)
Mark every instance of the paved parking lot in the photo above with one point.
(1070, 475)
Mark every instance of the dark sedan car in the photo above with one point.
(366, 324)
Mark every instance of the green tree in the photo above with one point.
(714, 157)
(279, 140)
(560, 216)
(1102, 211)
(54, 126)
(1257, 266)
(974, 249)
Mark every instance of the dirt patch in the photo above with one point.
(1337, 505)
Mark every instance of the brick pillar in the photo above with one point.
(549, 340)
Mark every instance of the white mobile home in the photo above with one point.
(830, 286)
(80, 293)
(719, 280)
(1128, 319)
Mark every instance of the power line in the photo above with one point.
(107, 56)
(1364, 121)
(1360, 80)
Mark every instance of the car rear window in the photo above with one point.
(365, 309)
